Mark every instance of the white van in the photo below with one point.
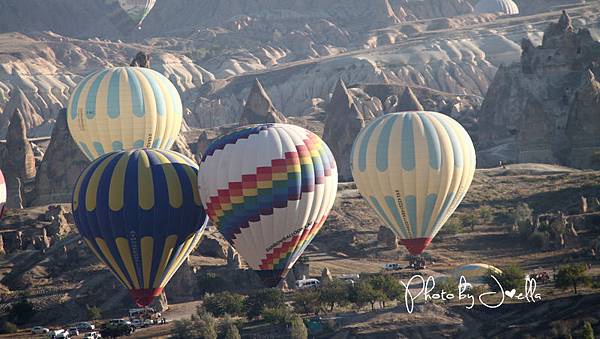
(307, 283)
(392, 267)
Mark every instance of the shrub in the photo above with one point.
(297, 328)
(8, 327)
(538, 240)
(450, 285)
(210, 283)
(207, 324)
(521, 214)
(389, 287)
(277, 316)
(334, 292)
(588, 331)
(262, 299)
(572, 276)
(470, 220)
(224, 302)
(512, 277)
(94, 312)
(452, 226)
(230, 329)
(183, 329)
(306, 301)
(363, 293)
(486, 215)
(21, 312)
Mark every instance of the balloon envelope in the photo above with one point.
(137, 10)
(123, 108)
(413, 168)
(140, 213)
(477, 273)
(268, 189)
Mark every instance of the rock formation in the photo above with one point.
(326, 276)
(2, 250)
(62, 164)
(547, 108)
(181, 146)
(342, 124)
(160, 303)
(387, 237)
(583, 205)
(183, 284)
(20, 162)
(408, 102)
(259, 108)
(141, 60)
(212, 247)
(18, 100)
(234, 260)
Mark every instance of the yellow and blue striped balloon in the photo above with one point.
(140, 213)
(124, 108)
(414, 169)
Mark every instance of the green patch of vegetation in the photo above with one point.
(572, 276)
(452, 226)
(260, 300)
(512, 277)
(222, 303)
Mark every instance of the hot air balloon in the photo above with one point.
(268, 188)
(140, 213)
(137, 10)
(2, 194)
(123, 108)
(413, 168)
(476, 273)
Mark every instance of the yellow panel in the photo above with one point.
(92, 188)
(147, 244)
(127, 258)
(117, 184)
(113, 264)
(173, 184)
(166, 255)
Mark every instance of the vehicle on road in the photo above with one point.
(115, 322)
(392, 267)
(73, 331)
(92, 335)
(85, 326)
(307, 283)
(63, 335)
(53, 334)
(138, 323)
(39, 330)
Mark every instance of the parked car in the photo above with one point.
(149, 322)
(53, 334)
(91, 335)
(392, 267)
(63, 335)
(114, 322)
(73, 331)
(85, 326)
(307, 283)
(138, 323)
(39, 330)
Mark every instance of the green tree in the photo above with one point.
(230, 329)
(452, 226)
(389, 286)
(486, 215)
(8, 327)
(512, 277)
(470, 220)
(280, 316)
(363, 293)
(262, 299)
(521, 213)
(224, 302)
(306, 301)
(297, 328)
(94, 313)
(572, 276)
(588, 331)
(538, 240)
(207, 325)
(334, 292)
(183, 329)
(21, 312)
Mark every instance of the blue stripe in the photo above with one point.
(429, 205)
(161, 107)
(98, 147)
(137, 96)
(77, 94)
(411, 210)
(138, 144)
(381, 156)
(113, 104)
(380, 211)
(433, 142)
(90, 104)
(86, 150)
(117, 146)
(408, 143)
(364, 144)
(391, 204)
(456, 144)
(444, 209)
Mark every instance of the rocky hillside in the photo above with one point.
(546, 108)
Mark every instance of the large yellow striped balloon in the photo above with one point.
(123, 108)
(414, 168)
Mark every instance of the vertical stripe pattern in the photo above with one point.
(123, 108)
(268, 189)
(140, 212)
(413, 168)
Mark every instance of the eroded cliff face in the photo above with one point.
(546, 108)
